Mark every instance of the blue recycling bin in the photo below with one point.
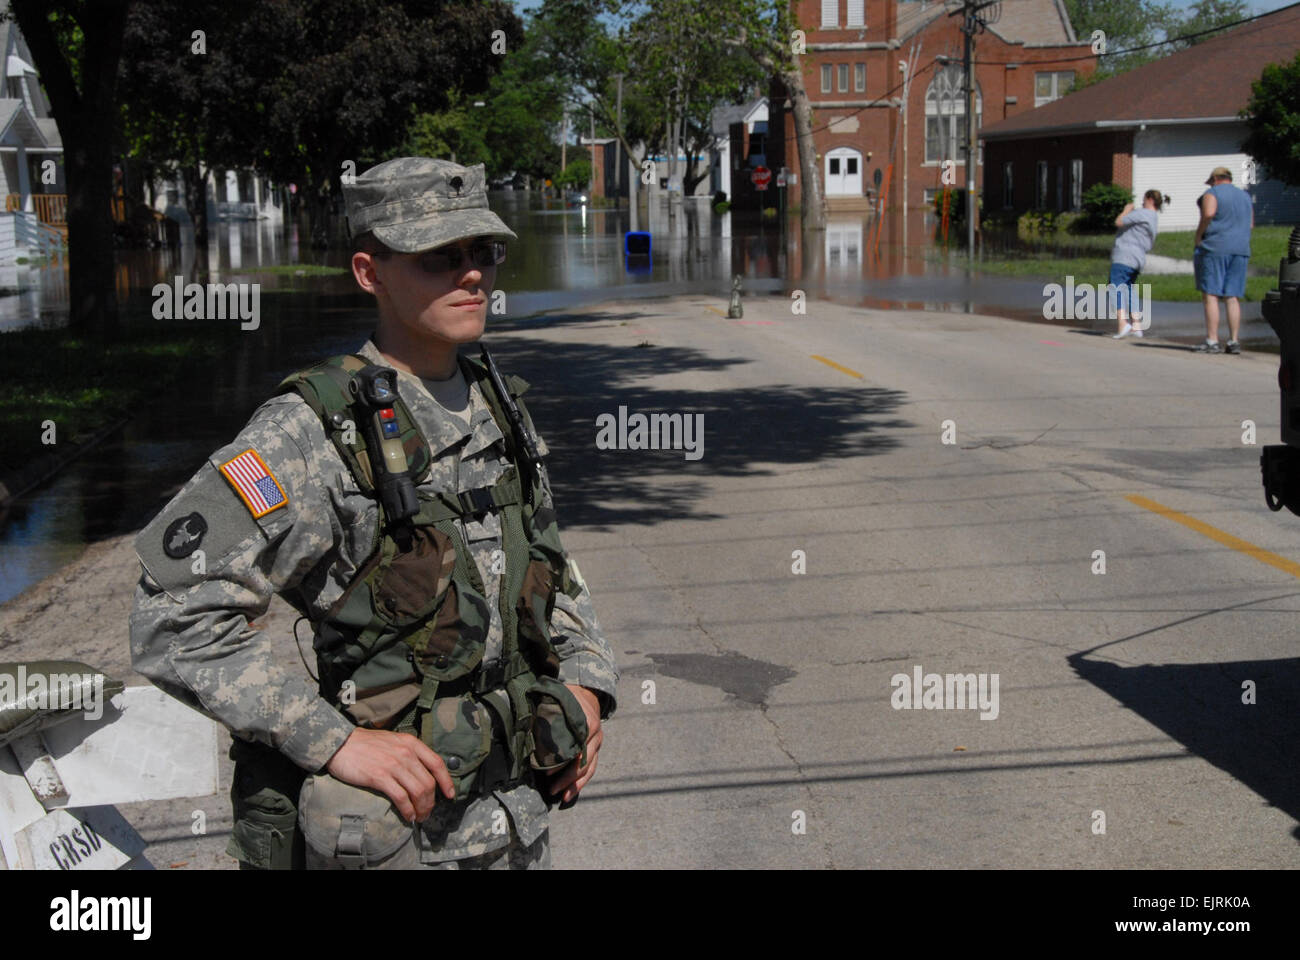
(636, 243)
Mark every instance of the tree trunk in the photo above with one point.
(86, 116)
(694, 152)
(88, 161)
(318, 212)
(812, 207)
(771, 54)
(196, 201)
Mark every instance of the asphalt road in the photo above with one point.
(1120, 694)
(756, 725)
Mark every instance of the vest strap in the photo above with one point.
(471, 504)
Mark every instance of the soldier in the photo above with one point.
(457, 648)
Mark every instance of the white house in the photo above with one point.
(34, 221)
(740, 133)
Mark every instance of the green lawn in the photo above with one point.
(1268, 245)
(84, 382)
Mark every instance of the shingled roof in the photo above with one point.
(1210, 81)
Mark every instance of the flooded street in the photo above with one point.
(565, 257)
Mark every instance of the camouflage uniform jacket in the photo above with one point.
(191, 633)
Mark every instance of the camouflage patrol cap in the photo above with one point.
(418, 203)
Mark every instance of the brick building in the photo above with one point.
(609, 177)
(1163, 126)
(854, 81)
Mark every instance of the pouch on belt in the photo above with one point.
(351, 827)
(459, 729)
(559, 725)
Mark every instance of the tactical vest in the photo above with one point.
(412, 623)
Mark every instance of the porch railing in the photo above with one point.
(51, 208)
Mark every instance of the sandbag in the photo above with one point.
(39, 694)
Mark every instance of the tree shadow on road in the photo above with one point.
(747, 431)
(122, 483)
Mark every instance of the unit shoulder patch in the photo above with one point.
(255, 484)
(183, 535)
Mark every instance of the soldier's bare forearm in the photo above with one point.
(397, 765)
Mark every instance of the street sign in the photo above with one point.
(92, 838)
(780, 178)
(761, 177)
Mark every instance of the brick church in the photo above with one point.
(854, 71)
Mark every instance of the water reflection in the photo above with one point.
(565, 256)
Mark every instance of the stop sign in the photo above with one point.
(761, 177)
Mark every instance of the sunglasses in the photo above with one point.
(483, 253)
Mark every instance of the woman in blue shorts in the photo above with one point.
(1137, 234)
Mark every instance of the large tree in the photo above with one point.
(1139, 31)
(679, 60)
(573, 50)
(522, 115)
(685, 70)
(769, 32)
(1205, 19)
(1273, 119)
(77, 46)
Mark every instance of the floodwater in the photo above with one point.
(565, 256)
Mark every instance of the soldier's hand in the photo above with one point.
(398, 765)
(568, 782)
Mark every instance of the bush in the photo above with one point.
(956, 205)
(1046, 223)
(1102, 203)
(576, 175)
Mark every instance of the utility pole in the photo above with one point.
(972, 206)
(907, 67)
(972, 21)
(564, 141)
(591, 186)
(618, 143)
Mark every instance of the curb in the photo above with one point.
(18, 482)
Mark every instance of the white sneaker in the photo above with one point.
(1137, 332)
(1127, 329)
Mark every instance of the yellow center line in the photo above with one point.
(832, 363)
(1227, 539)
(715, 310)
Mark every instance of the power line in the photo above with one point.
(999, 63)
(1147, 46)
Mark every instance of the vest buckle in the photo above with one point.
(491, 677)
(475, 502)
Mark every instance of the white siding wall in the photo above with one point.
(1177, 159)
(9, 249)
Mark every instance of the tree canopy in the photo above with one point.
(1273, 119)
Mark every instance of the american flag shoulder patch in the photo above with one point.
(254, 483)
